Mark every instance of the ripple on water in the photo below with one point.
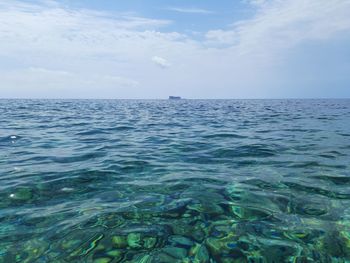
(192, 181)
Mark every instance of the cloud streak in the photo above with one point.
(190, 10)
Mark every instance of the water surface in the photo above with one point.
(174, 181)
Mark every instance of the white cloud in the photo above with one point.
(100, 51)
(280, 25)
(161, 62)
(190, 10)
(49, 50)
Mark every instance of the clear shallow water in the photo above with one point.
(175, 181)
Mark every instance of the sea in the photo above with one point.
(212, 181)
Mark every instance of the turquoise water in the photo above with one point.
(174, 181)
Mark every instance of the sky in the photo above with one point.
(152, 49)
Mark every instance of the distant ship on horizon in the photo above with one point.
(174, 98)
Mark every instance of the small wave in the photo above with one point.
(9, 139)
(92, 132)
(345, 134)
(79, 158)
(312, 164)
(253, 150)
(339, 180)
(317, 190)
(224, 135)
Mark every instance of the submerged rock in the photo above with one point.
(278, 250)
(142, 258)
(71, 243)
(102, 260)
(250, 213)
(175, 252)
(149, 242)
(86, 247)
(336, 243)
(181, 240)
(119, 241)
(116, 254)
(214, 245)
(227, 245)
(208, 208)
(199, 254)
(134, 240)
(164, 258)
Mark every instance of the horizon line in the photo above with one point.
(291, 98)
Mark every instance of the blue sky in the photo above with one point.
(155, 48)
(189, 15)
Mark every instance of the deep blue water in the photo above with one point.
(174, 181)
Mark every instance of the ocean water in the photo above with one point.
(174, 181)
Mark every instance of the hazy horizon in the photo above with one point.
(182, 99)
